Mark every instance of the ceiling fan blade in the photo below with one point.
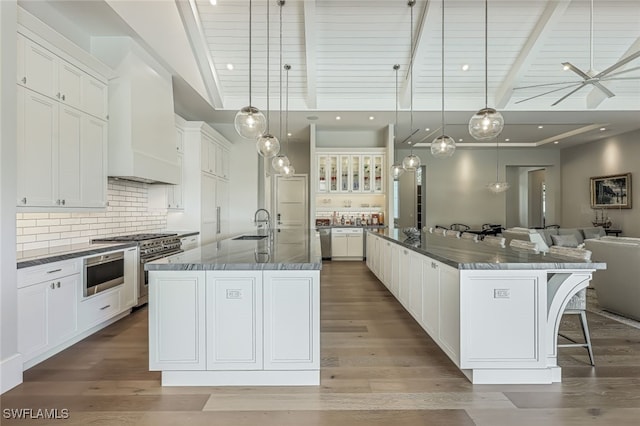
(604, 90)
(546, 93)
(547, 84)
(569, 94)
(618, 64)
(608, 76)
(576, 70)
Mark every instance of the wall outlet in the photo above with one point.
(501, 293)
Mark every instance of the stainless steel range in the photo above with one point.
(151, 247)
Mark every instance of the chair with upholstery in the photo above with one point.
(469, 236)
(461, 227)
(578, 303)
(491, 240)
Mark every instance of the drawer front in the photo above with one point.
(50, 271)
(98, 308)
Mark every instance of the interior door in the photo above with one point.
(291, 202)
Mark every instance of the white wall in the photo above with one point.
(351, 139)
(10, 360)
(619, 154)
(455, 186)
(243, 187)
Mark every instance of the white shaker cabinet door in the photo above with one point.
(40, 69)
(291, 320)
(70, 84)
(234, 320)
(93, 162)
(33, 336)
(37, 156)
(63, 308)
(70, 144)
(177, 320)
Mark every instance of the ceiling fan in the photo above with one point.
(590, 77)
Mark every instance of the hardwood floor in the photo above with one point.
(378, 368)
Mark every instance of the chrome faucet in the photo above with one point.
(261, 221)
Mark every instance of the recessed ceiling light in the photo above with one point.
(540, 127)
(288, 134)
(338, 118)
(565, 67)
(460, 140)
(602, 129)
(230, 67)
(556, 142)
(213, 2)
(507, 140)
(371, 117)
(427, 129)
(465, 67)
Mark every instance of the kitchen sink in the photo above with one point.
(250, 237)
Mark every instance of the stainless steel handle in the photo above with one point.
(58, 202)
(63, 201)
(58, 95)
(24, 80)
(58, 284)
(105, 307)
(24, 200)
(218, 228)
(53, 286)
(55, 270)
(64, 97)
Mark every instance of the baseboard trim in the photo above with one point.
(10, 372)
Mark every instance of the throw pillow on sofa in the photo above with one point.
(596, 232)
(572, 231)
(565, 240)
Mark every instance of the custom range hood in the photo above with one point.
(142, 133)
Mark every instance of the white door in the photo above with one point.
(291, 202)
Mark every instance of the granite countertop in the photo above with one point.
(353, 226)
(43, 256)
(182, 234)
(467, 254)
(280, 250)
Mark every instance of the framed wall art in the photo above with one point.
(613, 191)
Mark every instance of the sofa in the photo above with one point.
(617, 287)
(545, 238)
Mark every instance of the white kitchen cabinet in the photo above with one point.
(431, 296)
(174, 192)
(61, 154)
(291, 320)
(207, 154)
(45, 72)
(234, 320)
(222, 162)
(177, 312)
(222, 208)
(415, 285)
(449, 327)
(350, 172)
(395, 270)
(47, 309)
(209, 212)
(404, 278)
(347, 243)
(190, 242)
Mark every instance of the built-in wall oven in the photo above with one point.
(103, 272)
(151, 246)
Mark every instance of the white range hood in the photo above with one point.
(142, 132)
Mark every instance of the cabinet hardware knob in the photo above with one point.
(64, 97)
(58, 202)
(24, 200)
(24, 80)
(58, 284)
(58, 95)
(63, 201)
(53, 286)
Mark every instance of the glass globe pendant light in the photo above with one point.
(443, 146)
(396, 168)
(487, 123)
(287, 170)
(411, 162)
(280, 161)
(268, 145)
(498, 186)
(249, 122)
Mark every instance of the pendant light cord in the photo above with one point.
(411, 4)
(286, 123)
(591, 38)
(268, 55)
(281, 4)
(442, 70)
(497, 161)
(486, 62)
(396, 67)
(250, 20)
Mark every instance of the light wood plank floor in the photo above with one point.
(378, 368)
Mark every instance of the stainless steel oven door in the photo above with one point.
(102, 272)
(143, 276)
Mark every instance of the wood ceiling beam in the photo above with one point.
(192, 23)
(595, 96)
(310, 52)
(427, 17)
(536, 40)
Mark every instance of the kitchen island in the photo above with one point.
(241, 311)
(494, 311)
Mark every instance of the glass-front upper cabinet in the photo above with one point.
(332, 161)
(323, 173)
(356, 185)
(366, 173)
(378, 167)
(345, 172)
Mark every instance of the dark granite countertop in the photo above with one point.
(43, 256)
(467, 254)
(280, 250)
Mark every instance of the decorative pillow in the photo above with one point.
(565, 240)
(572, 231)
(593, 232)
(546, 234)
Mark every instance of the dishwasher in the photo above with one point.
(325, 242)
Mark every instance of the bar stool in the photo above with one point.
(578, 303)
